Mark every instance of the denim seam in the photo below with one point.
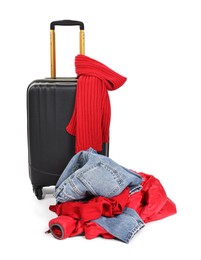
(88, 185)
(81, 171)
(113, 191)
(75, 189)
(140, 224)
(115, 173)
(82, 179)
(59, 189)
(116, 177)
(67, 198)
(62, 196)
(134, 231)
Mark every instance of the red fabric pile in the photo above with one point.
(151, 203)
(94, 208)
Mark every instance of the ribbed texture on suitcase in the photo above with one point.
(50, 106)
(91, 117)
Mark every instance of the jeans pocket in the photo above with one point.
(102, 180)
(70, 190)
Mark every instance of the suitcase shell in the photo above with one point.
(50, 104)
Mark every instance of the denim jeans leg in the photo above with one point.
(94, 174)
(123, 226)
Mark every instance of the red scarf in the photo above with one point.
(90, 121)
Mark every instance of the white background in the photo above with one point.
(155, 126)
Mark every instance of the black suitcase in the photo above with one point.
(50, 104)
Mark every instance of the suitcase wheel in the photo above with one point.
(38, 192)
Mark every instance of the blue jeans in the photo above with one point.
(123, 226)
(89, 173)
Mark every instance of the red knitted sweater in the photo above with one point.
(90, 121)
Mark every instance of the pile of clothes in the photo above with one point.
(95, 196)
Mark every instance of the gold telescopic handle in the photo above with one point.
(53, 50)
(82, 42)
(52, 54)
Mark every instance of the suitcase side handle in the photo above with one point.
(53, 45)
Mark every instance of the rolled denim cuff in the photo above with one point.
(135, 189)
(123, 226)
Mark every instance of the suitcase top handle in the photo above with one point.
(52, 41)
(66, 23)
